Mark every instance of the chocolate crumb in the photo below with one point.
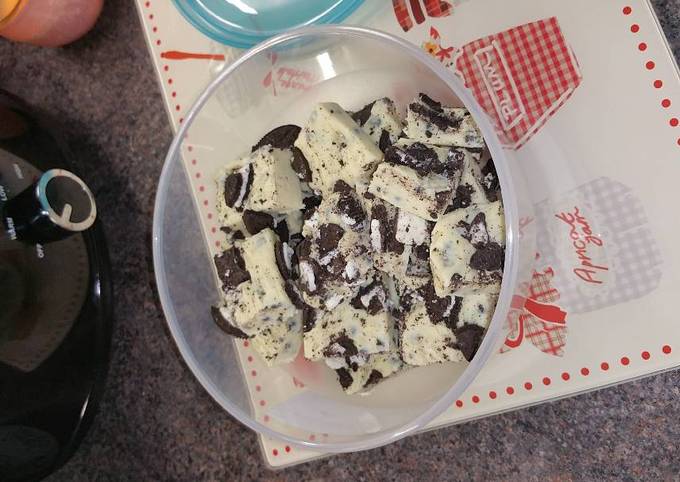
(373, 378)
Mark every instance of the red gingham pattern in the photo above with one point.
(536, 68)
(438, 8)
(548, 337)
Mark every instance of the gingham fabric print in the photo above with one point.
(538, 318)
(632, 258)
(521, 77)
(432, 8)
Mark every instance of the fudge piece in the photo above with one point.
(377, 368)
(468, 250)
(439, 329)
(280, 343)
(380, 120)
(419, 179)
(334, 256)
(336, 148)
(399, 240)
(428, 121)
(347, 335)
(256, 276)
(264, 181)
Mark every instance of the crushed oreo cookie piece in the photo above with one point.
(490, 181)
(385, 142)
(231, 268)
(285, 259)
(311, 204)
(373, 378)
(468, 339)
(446, 309)
(330, 235)
(281, 230)
(237, 187)
(361, 116)
(387, 227)
(419, 157)
(294, 295)
(282, 137)
(224, 325)
(489, 257)
(344, 378)
(350, 208)
(462, 199)
(431, 103)
(370, 298)
(434, 113)
(308, 318)
(255, 221)
(300, 165)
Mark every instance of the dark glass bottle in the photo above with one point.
(55, 299)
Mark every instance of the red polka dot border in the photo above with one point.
(650, 65)
(565, 376)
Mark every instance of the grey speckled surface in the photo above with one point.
(156, 422)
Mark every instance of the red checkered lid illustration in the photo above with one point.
(520, 77)
(598, 241)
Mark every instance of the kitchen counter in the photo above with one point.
(156, 422)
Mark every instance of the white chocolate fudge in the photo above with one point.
(377, 368)
(468, 250)
(419, 179)
(450, 328)
(347, 335)
(256, 299)
(280, 343)
(430, 122)
(336, 148)
(334, 256)
(399, 240)
(380, 120)
(263, 182)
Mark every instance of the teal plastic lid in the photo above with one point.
(244, 23)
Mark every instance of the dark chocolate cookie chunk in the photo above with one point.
(468, 339)
(361, 116)
(300, 165)
(281, 230)
(344, 377)
(476, 232)
(311, 204)
(462, 199)
(308, 318)
(282, 137)
(431, 103)
(387, 227)
(256, 221)
(385, 142)
(373, 378)
(342, 346)
(231, 268)
(294, 295)
(370, 298)
(490, 181)
(419, 157)
(330, 235)
(349, 205)
(224, 325)
(441, 310)
(489, 257)
(434, 113)
(285, 259)
(237, 187)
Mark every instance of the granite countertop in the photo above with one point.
(155, 421)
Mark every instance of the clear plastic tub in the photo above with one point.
(275, 83)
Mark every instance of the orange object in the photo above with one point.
(49, 23)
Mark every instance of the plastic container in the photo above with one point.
(244, 24)
(48, 23)
(275, 83)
